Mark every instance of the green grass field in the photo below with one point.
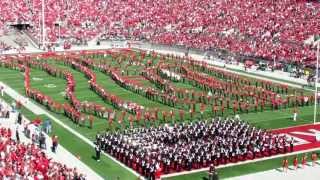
(55, 87)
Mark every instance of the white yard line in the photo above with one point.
(33, 107)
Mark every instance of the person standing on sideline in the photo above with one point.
(213, 175)
(42, 141)
(17, 136)
(295, 114)
(291, 144)
(295, 162)
(54, 143)
(98, 152)
(314, 158)
(285, 165)
(19, 120)
(13, 105)
(304, 160)
(49, 128)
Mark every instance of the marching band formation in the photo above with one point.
(191, 146)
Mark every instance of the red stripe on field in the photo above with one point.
(305, 129)
(297, 128)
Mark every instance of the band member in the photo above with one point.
(172, 115)
(222, 109)
(295, 114)
(164, 116)
(191, 113)
(285, 165)
(181, 114)
(131, 119)
(295, 162)
(212, 173)
(235, 107)
(291, 144)
(314, 158)
(202, 109)
(304, 160)
(98, 152)
(215, 109)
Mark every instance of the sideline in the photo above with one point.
(62, 155)
(308, 172)
(31, 106)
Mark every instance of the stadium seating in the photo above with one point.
(267, 29)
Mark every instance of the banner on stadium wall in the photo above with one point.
(119, 44)
(133, 43)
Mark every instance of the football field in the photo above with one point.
(136, 69)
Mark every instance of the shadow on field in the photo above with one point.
(279, 169)
(94, 157)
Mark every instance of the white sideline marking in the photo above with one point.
(39, 110)
(25, 101)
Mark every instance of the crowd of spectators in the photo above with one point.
(20, 160)
(268, 29)
(191, 146)
(27, 161)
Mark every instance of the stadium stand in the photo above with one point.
(267, 29)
